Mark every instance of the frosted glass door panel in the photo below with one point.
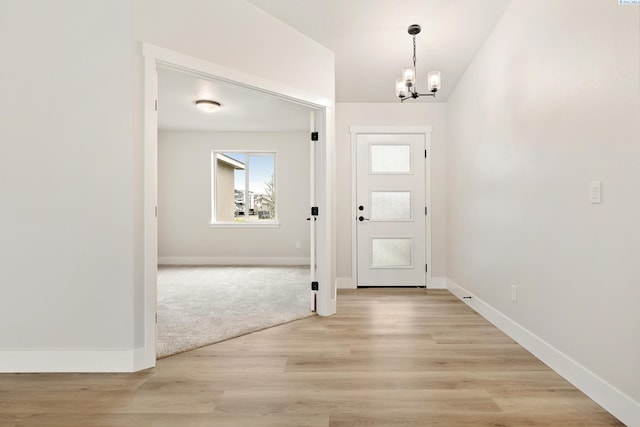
(391, 253)
(390, 205)
(390, 158)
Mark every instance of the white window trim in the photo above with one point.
(254, 224)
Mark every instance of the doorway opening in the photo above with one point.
(233, 197)
(320, 248)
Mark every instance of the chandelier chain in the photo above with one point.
(415, 71)
(414, 53)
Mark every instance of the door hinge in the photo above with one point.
(425, 210)
(314, 211)
(314, 286)
(156, 105)
(425, 154)
(426, 268)
(314, 136)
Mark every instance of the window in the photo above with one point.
(243, 187)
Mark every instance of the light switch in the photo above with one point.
(595, 191)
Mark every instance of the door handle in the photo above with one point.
(361, 218)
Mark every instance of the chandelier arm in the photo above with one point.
(415, 95)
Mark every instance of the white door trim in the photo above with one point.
(312, 202)
(155, 56)
(354, 131)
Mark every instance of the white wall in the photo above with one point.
(397, 114)
(66, 257)
(71, 160)
(550, 103)
(184, 200)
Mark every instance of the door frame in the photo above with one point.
(155, 56)
(359, 130)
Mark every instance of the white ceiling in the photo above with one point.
(371, 45)
(242, 109)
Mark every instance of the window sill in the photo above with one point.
(244, 225)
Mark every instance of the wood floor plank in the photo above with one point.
(22, 402)
(393, 418)
(389, 357)
(174, 420)
(304, 401)
(73, 382)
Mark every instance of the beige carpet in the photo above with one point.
(200, 305)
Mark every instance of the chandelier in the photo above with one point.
(406, 85)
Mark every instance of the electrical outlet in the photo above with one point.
(297, 244)
(514, 293)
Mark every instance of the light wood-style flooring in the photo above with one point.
(390, 357)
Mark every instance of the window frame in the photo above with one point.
(213, 222)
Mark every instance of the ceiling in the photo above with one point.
(242, 109)
(371, 45)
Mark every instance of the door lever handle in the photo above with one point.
(361, 218)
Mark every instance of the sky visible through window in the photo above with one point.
(261, 168)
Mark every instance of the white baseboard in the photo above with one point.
(438, 283)
(20, 361)
(603, 393)
(233, 261)
(345, 283)
(143, 359)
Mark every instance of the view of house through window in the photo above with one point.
(243, 187)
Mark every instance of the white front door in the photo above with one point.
(391, 209)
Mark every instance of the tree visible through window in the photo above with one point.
(244, 188)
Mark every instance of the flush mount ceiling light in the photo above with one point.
(207, 105)
(406, 85)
